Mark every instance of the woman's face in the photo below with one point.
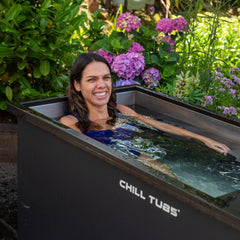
(95, 85)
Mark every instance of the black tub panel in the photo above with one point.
(72, 187)
(67, 193)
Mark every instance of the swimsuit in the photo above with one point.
(111, 138)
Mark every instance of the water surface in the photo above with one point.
(193, 163)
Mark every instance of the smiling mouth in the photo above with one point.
(100, 94)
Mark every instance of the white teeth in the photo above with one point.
(100, 94)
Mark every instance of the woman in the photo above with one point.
(92, 105)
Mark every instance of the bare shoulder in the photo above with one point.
(126, 110)
(68, 120)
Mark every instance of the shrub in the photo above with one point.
(37, 48)
(140, 48)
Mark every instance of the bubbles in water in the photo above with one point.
(191, 162)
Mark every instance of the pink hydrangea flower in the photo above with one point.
(151, 77)
(107, 55)
(179, 24)
(128, 22)
(128, 65)
(170, 41)
(136, 47)
(165, 25)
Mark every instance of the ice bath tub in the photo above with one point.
(73, 187)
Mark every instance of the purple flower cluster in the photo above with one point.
(128, 65)
(208, 100)
(179, 24)
(107, 55)
(128, 22)
(170, 41)
(167, 25)
(151, 77)
(225, 92)
(234, 69)
(123, 82)
(229, 110)
(136, 47)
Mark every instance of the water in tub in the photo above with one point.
(189, 161)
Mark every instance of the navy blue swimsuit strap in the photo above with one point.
(74, 116)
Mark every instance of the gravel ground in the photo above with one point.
(8, 201)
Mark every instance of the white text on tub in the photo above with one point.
(151, 199)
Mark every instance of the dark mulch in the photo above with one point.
(8, 201)
(6, 117)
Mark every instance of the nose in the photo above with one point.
(101, 83)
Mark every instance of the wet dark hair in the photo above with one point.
(76, 102)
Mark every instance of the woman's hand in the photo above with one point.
(220, 147)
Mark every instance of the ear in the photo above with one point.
(77, 86)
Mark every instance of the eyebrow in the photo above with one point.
(108, 74)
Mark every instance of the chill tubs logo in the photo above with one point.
(151, 199)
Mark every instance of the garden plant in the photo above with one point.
(39, 40)
(179, 54)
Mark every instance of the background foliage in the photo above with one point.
(41, 38)
(39, 41)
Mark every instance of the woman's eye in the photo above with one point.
(91, 80)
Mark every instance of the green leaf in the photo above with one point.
(156, 60)
(30, 92)
(43, 23)
(11, 30)
(58, 6)
(52, 46)
(126, 44)
(22, 55)
(9, 93)
(103, 43)
(46, 4)
(44, 67)
(25, 83)
(169, 70)
(20, 18)
(116, 44)
(14, 77)
(146, 31)
(3, 105)
(76, 22)
(5, 51)
(72, 13)
(21, 64)
(13, 12)
(34, 45)
(162, 53)
(36, 72)
(171, 59)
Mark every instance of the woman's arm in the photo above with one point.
(220, 147)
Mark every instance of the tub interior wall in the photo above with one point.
(191, 119)
(164, 111)
(52, 110)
